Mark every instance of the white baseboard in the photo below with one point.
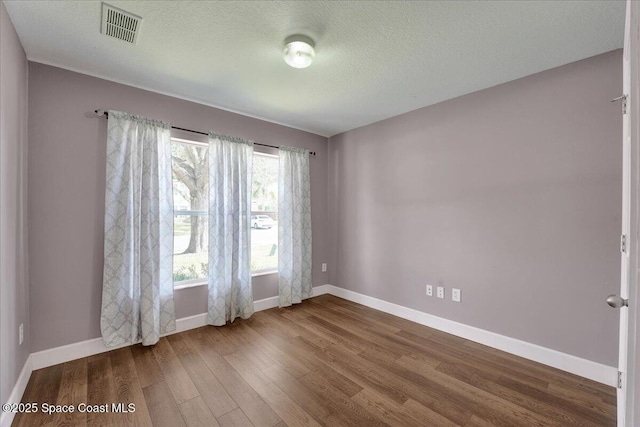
(585, 368)
(272, 302)
(266, 304)
(566, 362)
(321, 290)
(191, 322)
(65, 353)
(6, 418)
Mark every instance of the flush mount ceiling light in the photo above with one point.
(298, 51)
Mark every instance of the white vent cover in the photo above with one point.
(120, 24)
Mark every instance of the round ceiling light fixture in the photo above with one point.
(298, 51)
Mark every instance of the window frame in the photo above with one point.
(201, 281)
(191, 283)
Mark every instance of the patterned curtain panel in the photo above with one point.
(230, 168)
(294, 226)
(137, 292)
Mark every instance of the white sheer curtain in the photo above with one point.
(294, 226)
(137, 292)
(230, 168)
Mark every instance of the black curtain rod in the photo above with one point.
(106, 114)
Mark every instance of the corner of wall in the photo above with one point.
(332, 210)
(14, 356)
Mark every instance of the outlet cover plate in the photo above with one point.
(324, 267)
(456, 295)
(429, 290)
(440, 291)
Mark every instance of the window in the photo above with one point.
(264, 214)
(190, 168)
(190, 200)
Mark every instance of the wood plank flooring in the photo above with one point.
(326, 362)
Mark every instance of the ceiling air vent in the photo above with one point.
(120, 24)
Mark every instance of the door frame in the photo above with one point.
(628, 408)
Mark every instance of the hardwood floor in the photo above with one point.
(326, 362)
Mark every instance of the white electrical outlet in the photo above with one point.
(21, 334)
(324, 267)
(440, 290)
(456, 294)
(429, 290)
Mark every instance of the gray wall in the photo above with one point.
(66, 194)
(14, 304)
(512, 194)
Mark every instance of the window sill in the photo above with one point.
(263, 272)
(197, 283)
(190, 284)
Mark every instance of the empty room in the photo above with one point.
(319, 213)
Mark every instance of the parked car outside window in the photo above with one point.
(261, 221)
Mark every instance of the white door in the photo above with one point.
(621, 301)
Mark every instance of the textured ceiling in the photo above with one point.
(374, 60)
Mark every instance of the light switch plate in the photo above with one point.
(429, 290)
(324, 267)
